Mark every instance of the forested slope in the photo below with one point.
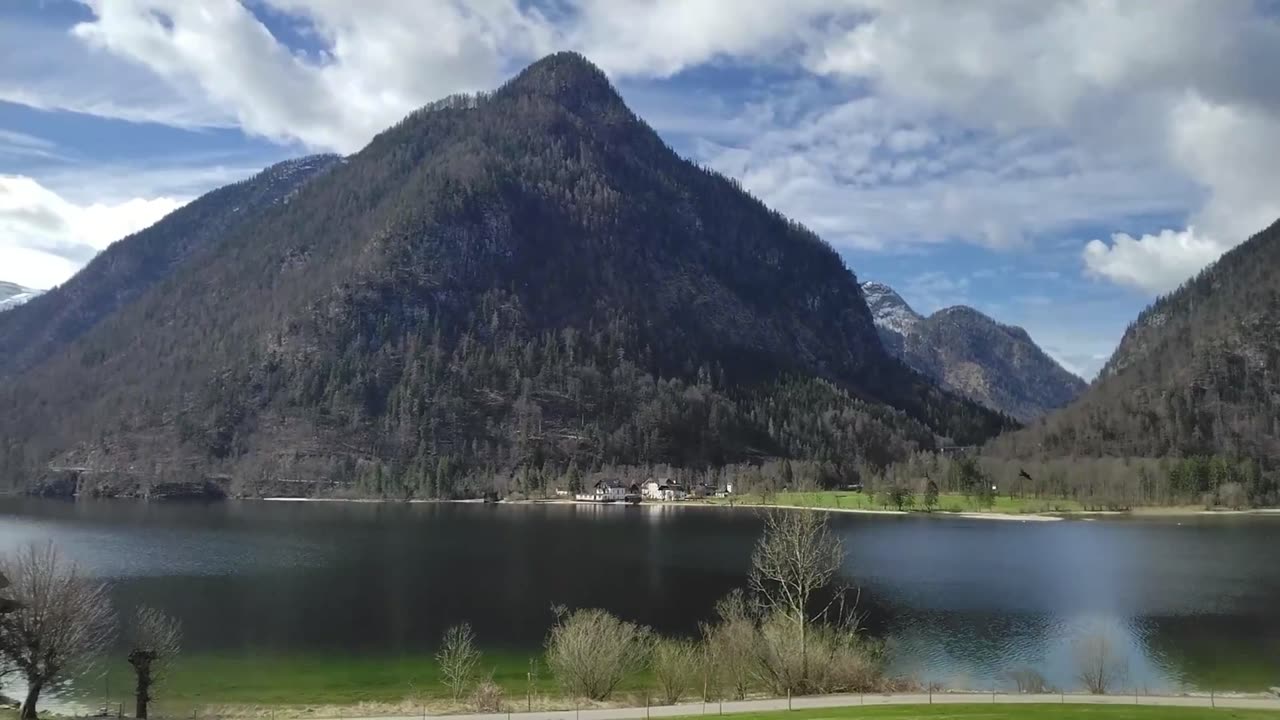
(520, 284)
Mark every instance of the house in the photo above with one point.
(652, 489)
(663, 490)
(605, 491)
(633, 495)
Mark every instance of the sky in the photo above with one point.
(1056, 164)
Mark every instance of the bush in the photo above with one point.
(1027, 680)
(731, 646)
(676, 667)
(487, 697)
(828, 658)
(591, 651)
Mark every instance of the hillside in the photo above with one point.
(509, 285)
(128, 268)
(12, 295)
(1197, 374)
(997, 365)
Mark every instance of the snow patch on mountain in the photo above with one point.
(12, 295)
(888, 309)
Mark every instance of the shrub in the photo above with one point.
(676, 664)
(591, 651)
(487, 697)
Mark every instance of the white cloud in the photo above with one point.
(381, 58)
(1154, 263)
(1183, 84)
(47, 238)
(864, 175)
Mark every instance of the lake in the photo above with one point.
(1194, 602)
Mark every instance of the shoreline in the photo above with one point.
(1147, 512)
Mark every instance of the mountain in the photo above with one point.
(505, 286)
(1197, 374)
(12, 295)
(128, 268)
(965, 351)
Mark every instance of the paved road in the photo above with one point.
(830, 701)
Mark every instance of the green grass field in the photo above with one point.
(198, 681)
(947, 502)
(1015, 712)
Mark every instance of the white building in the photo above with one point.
(663, 490)
(605, 491)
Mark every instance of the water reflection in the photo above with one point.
(961, 602)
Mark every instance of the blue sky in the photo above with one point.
(1055, 164)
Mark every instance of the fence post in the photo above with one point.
(788, 698)
(1212, 701)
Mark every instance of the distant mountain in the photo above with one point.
(129, 267)
(1197, 374)
(12, 295)
(994, 364)
(498, 289)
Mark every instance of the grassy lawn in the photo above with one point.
(948, 502)
(1014, 712)
(197, 681)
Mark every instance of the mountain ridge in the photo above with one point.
(12, 295)
(1196, 374)
(554, 288)
(992, 363)
(126, 269)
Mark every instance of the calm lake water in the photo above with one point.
(1194, 602)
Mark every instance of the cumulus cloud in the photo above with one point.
(47, 238)
(1184, 84)
(1154, 263)
(379, 59)
(1003, 121)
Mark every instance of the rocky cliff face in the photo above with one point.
(994, 364)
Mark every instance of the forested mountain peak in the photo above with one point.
(1197, 374)
(502, 289)
(569, 79)
(968, 352)
(128, 268)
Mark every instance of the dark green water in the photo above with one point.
(1192, 602)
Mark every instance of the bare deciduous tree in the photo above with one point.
(591, 651)
(795, 559)
(676, 664)
(63, 624)
(154, 642)
(1099, 665)
(458, 657)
